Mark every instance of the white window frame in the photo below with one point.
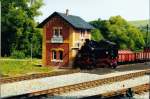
(59, 31)
(56, 59)
(53, 55)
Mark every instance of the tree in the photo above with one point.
(102, 25)
(19, 26)
(96, 35)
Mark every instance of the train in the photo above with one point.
(103, 53)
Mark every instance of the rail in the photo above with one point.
(137, 90)
(35, 76)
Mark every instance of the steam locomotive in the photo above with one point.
(96, 54)
(104, 53)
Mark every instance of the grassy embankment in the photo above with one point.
(18, 67)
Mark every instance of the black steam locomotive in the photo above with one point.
(96, 54)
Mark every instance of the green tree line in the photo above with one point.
(119, 31)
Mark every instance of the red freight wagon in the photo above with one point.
(126, 56)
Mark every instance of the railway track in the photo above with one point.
(110, 95)
(35, 76)
(136, 90)
(86, 85)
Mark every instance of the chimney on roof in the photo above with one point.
(67, 12)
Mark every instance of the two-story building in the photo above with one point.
(63, 35)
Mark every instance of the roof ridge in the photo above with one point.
(68, 15)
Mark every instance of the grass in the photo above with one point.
(18, 67)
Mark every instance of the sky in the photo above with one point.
(93, 9)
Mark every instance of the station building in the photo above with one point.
(63, 35)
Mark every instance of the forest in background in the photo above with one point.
(128, 35)
(19, 30)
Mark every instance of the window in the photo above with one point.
(60, 32)
(61, 55)
(57, 55)
(53, 55)
(57, 31)
(82, 33)
(77, 44)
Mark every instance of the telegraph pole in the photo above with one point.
(0, 33)
(148, 39)
(31, 49)
(146, 43)
(147, 36)
(0, 44)
(148, 27)
(31, 2)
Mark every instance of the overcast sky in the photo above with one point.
(94, 9)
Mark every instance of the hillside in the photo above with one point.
(139, 23)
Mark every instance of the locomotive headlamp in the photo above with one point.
(106, 52)
(92, 48)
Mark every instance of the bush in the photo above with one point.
(18, 55)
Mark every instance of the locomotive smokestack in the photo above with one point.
(67, 12)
